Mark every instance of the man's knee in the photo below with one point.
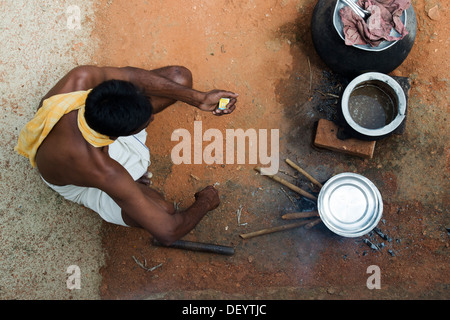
(181, 75)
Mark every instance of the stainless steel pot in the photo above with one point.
(351, 61)
(361, 119)
(350, 205)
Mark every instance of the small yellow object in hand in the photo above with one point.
(223, 103)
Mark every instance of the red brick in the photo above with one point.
(326, 138)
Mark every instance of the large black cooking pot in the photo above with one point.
(348, 60)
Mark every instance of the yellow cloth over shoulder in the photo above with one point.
(52, 110)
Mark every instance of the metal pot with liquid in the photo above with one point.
(373, 106)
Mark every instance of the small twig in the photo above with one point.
(333, 95)
(287, 173)
(289, 185)
(328, 94)
(306, 174)
(287, 195)
(144, 266)
(320, 92)
(310, 76)
(273, 229)
(313, 223)
(155, 267)
(238, 213)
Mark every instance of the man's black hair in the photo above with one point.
(117, 108)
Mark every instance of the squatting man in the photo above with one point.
(88, 137)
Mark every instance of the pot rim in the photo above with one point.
(339, 26)
(375, 76)
(370, 196)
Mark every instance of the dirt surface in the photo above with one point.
(263, 51)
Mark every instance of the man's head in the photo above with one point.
(117, 108)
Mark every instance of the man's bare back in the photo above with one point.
(66, 158)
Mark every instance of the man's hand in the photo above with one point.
(209, 196)
(211, 102)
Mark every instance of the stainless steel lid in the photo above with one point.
(350, 205)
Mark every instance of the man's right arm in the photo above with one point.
(88, 77)
(154, 85)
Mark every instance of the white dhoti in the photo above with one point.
(132, 153)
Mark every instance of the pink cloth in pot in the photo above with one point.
(385, 15)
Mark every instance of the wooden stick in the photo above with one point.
(299, 215)
(289, 185)
(199, 246)
(313, 223)
(306, 174)
(273, 229)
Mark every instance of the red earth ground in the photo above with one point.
(263, 51)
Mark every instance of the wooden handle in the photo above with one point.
(199, 246)
(299, 215)
(289, 185)
(273, 229)
(306, 174)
